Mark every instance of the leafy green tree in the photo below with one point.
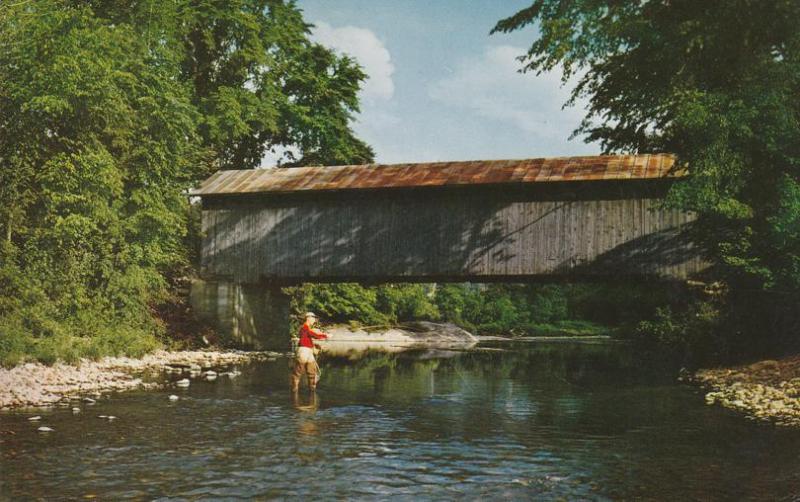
(260, 83)
(407, 302)
(341, 302)
(109, 112)
(97, 148)
(714, 81)
(257, 79)
(450, 301)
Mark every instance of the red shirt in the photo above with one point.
(306, 335)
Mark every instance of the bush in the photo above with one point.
(75, 325)
(338, 302)
(72, 342)
(450, 301)
(546, 303)
(691, 335)
(407, 302)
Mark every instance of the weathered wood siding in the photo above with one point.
(490, 234)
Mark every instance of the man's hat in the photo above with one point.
(311, 314)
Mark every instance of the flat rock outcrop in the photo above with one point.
(422, 334)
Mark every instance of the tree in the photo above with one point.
(716, 82)
(261, 83)
(97, 147)
(109, 112)
(256, 78)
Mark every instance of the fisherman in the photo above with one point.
(304, 361)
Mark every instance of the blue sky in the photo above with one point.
(442, 88)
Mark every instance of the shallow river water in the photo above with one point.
(544, 421)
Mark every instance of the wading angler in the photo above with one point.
(305, 361)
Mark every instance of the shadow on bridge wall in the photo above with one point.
(670, 248)
(360, 241)
(440, 240)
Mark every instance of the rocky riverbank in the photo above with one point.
(766, 390)
(36, 385)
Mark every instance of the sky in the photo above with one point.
(440, 88)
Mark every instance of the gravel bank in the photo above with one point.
(35, 385)
(766, 390)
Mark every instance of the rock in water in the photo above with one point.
(89, 400)
(210, 375)
(45, 429)
(35, 419)
(184, 382)
(173, 397)
(76, 410)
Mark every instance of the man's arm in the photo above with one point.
(319, 335)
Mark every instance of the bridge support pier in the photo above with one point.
(251, 316)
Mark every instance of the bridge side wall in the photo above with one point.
(571, 230)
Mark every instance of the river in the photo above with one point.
(571, 421)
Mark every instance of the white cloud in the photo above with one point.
(366, 48)
(491, 87)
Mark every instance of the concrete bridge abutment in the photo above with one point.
(249, 316)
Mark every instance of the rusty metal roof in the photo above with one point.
(476, 172)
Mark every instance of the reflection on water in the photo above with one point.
(547, 421)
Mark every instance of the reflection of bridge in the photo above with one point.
(578, 217)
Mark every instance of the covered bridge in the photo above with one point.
(499, 220)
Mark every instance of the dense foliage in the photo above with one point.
(494, 309)
(717, 83)
(109, 111)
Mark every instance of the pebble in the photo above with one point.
(45, 429)
(766, 391)
(34, 419)
(37, 385)
(76, 410)
(184, 382)
(173, 397)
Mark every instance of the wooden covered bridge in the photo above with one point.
(501, 220)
